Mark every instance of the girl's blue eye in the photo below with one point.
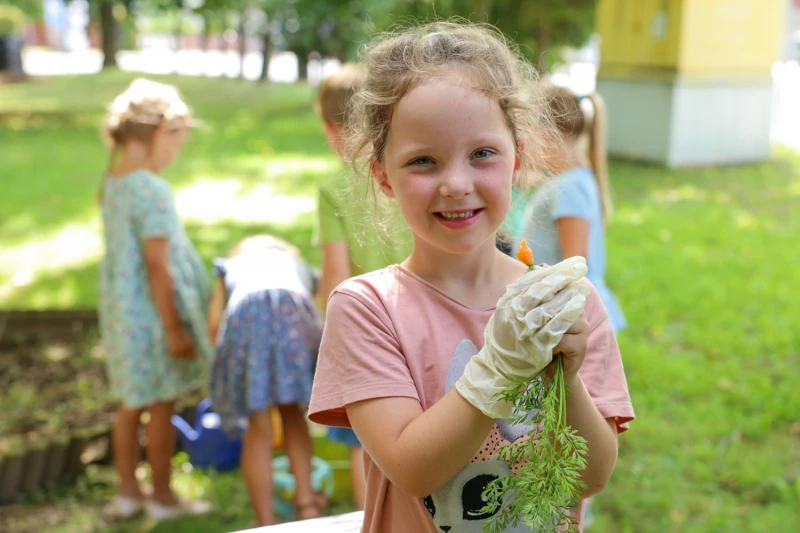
(483, 153)
(422, 161)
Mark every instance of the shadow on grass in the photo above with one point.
(53, 151)
(77, 287)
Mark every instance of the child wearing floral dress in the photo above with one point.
(152, 286)
(267, 331)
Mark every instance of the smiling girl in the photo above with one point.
(413, 355)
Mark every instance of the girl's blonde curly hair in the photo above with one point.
(396, 61)
(137, 113)
(141, 109)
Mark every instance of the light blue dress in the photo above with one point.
(572, 194)
(141, 370)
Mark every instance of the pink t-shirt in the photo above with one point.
(390, 333)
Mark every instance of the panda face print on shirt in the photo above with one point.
(456, 507)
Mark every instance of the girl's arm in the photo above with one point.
(156, 259)
(216, 308)
(573, 236)
(582, 413)
(335, 269)
(420, 451)
(600, 435)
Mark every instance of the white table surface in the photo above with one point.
(343, 523)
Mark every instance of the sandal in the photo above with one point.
(315, 508)
(123, 507)
(185, 507)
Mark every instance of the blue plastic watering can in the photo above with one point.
(206, 443)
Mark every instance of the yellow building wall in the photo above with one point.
(731, 36)
(639, 32)
(665, 38)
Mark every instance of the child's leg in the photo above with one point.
(125, 441)
(298, 448)
(257, 465)
(160, 449)
(358, 478)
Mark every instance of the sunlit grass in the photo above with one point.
(253, 166)
(205, 202)
(703, 261)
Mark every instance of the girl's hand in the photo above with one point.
(572, 348)
(180, 343)
(529, 322)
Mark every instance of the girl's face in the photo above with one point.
(449, 162)
(166, 145)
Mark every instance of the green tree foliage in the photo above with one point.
(12, 20)
(31, 8)
(336, 28)
(542, 28)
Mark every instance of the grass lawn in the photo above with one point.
(253, 168)
(703, 261)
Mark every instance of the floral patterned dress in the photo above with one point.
(137, 207)
(269, 335)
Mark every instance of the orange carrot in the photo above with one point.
(525, 254)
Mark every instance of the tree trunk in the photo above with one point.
(110, 32)
(544, 38)
(242, 38)
(484, 8)
(418, 9)
(302, 63)
(266, 41)
(178, 31)
(204, 37)
(11, 56)
(544, 47)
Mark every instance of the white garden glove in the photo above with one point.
(530, 319)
